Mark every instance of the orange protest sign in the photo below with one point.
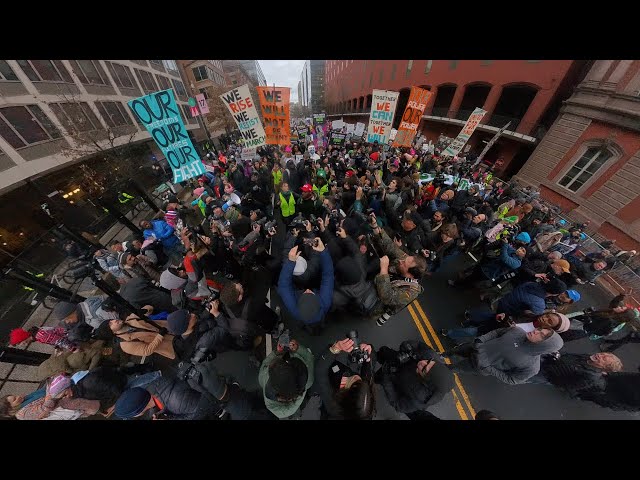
(416, 105)
(274, 103)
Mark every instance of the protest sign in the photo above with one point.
(202, 104)
(318, 118)
(466, 132)
(383, 107)
(393, 134)
(160, 115)
(302, 131)
(350, 127)
(338, 138)
(274, 102)
(359, 129)
(337, 124)
(243, 111)
(411, 117)
(248, 153)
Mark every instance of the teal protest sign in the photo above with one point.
(160, 115)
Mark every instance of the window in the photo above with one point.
(179, 88)
(409, 67)
(427, 68)
(121, 75)
(6, 73)
(22, 126)
(155, 62)
(164, 82)
(113, 113)
(170, 65)
(204, 92)
(146, 80)
(90, 72)
(586, 166)
(200, 73)
(393, 72)
(76, 117)
(45, 70)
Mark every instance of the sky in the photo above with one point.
(284, 73)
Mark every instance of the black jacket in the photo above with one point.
(181, 402)
(139, 292)
(408, 392)
(573, 374)
(105, 384)
(210, 336)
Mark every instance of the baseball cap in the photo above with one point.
(566, 268)
(307, 188)
(573, 295)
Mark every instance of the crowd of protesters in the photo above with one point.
(353, 228)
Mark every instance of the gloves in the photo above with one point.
(163, 331)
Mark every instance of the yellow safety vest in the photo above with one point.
(322, 191)
(277, 177)
(288, 208)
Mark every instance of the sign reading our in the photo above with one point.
(243, 110)
(383, 107)
(456, 146)
(274, 102)
(411, 117)
(160, 115)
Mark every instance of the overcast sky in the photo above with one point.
(284, 73)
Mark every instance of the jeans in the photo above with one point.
(137, 380)
(481, 317)
(462, 333)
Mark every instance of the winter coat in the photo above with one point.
(280, 409)
(163, 232)
(92, 313)
(141, 338)
(509, 356)
(105, 384)
(71, 362)
(139, 292)
(179, 401)
(506, 262)
(528, 296)
(545, 241)
(573, 374)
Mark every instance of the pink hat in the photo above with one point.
(412, 151)
(287, 149)
(198, 191)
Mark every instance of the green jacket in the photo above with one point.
(284, 410)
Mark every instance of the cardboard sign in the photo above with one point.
(337, 124)
(303, 131)
(160, 115)
(350, 128)
(411, 117)
(243, 111)
(383, 108)
(274, 102)
(359, 130)
(466, 132)
(202, 103)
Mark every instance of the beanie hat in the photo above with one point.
(308, 308)
(573, 295)
(170, 281)
(307, 188)
(347, 271)
(301, 266)
(565, 323)
(58, 384)
(555, 255)
(566, 268)
(131, 403)
(198, 191)
(62, 310)
(523, 237)
(555, 287)
(178, 322)
(288, 376)
(18, 335)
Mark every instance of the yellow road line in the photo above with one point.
(426, 321)
(459, 406)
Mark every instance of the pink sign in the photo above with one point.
(194, 112)
(202, 103)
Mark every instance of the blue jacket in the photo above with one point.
(290, 296)
(528, 296)
(507, 261)
(162, 231)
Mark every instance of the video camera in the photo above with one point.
(265, 223)
(299, 222)
(357, 355)
(406, 353)
(439, 180)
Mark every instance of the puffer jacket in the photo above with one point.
(508, 355)
(506, 262)
(181, 402)
(528, 296)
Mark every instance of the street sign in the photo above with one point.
(192, 102)
(194, 111)
(202, 104)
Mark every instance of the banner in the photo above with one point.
(318, 118)
(248, 153)
(274, 102)
(411, 117)
(359, 130)
(202, 104)
(466, 132)
(243, 111)
(160, 115)
(338, 138)
(383, 107)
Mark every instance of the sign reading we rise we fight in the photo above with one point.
(383, 107)
(243, 111)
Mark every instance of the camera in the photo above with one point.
(299, 222)
(314, 221)
(357, 355)
(312, 242)
(406, 353)
(262, 222)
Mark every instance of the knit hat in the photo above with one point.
(471, 210)
(131, 403)
(565, 323)
(62, 310)
(347, 271)
(170, 281)
(58, 384)
(308, 307)
(198, 191)
(301, 266)
(288, 376)
(573, 295)
(18, 335)
(566, 267)
(523, 237)
(178, 322)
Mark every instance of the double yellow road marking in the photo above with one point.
(459, 391)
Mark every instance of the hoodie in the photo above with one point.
(509, 356)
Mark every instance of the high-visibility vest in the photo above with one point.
(277, 177)
(288, 208)
(321, 192)
(124, 197)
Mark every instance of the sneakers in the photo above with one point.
(384, 318)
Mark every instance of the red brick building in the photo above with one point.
(589, 161)
(528, 93)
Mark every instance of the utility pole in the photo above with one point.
(490, 144)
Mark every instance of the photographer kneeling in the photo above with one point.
(346, 394)
(413, 378)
